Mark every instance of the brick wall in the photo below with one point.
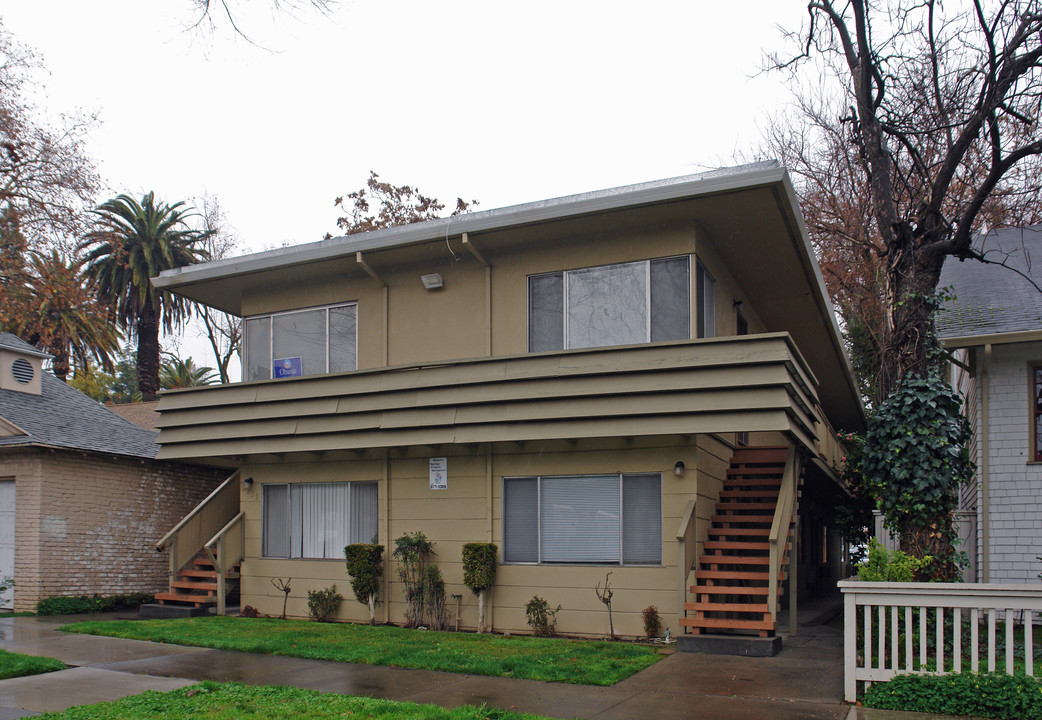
(87, 523)
(1015, 516)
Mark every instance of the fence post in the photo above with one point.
(849, 645)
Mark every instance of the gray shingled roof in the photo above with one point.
(991, 299)
(63, 417)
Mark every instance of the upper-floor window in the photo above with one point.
(302, 342)
(1036, 411)
(638, 302)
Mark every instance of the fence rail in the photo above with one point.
(935, 628)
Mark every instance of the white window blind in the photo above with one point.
(317, 520)
(583, 519)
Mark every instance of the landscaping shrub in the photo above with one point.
(1008, 697)
(365, 565)
(541, 618)
(77, 604)
(413, 552)
(479, 573)
(885, 566)
(323, 604)
(434, 597)
(249, 612)
(652, 621)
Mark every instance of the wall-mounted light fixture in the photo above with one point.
(248, 483)
(678, 469)
(738, 306)
(433, 281)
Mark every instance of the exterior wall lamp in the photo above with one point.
(248, 483)
(433, 281)
(678, 469)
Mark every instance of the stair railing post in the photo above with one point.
(221, 555)
(794, 575)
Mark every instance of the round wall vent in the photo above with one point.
(22, 370)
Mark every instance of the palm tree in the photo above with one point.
(178, 373)
(57, 314)
(135, 242)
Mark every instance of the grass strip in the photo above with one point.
(582, 662)
(14, 665)
(227, 701)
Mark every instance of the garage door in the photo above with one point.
(6, 537)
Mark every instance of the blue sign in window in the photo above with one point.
(287, 367)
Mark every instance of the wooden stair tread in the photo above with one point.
(748, 519)
(189, 585)
(764, 493)
(731, 575)
(735, 545)
(727, 623)
(731, 590)
(186, 598)
(715, 559)
(726, 607)
(739, 530)
(720, 506)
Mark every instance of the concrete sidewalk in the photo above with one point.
(803, 681)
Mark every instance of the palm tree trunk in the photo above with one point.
(148, 354)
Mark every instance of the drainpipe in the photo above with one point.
(985, 522)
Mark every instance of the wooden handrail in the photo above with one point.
(161, 545)
(780, 527)
(685, 552)
(223, 531)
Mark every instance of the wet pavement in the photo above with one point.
(803, 681)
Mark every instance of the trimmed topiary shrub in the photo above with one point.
(413, 552)
(1007, 697)
(479, 573)
(365, 565)
(78, 604)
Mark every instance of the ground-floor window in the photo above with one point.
(614, 519)
(317, 520)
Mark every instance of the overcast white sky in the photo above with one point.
(503, 102)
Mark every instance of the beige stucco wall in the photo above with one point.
(86, 523)
(470, 510)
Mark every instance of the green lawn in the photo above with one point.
(226, 701)
(16, 665)
(549, 659)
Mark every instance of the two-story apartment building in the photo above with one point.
(584, 381)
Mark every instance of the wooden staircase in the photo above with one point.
(196, 584)
(732, 581)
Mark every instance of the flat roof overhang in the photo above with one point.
(750, 214)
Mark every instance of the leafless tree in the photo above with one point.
(926, 130)
(223, 331)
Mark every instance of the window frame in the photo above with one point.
(1035, 409)
(289, 486)
(539, 520)
(270, 317)
(648, 291)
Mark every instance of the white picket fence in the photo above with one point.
(898, 639)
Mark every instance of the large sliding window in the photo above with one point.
(639, 302)
(302, 342)
(614, 519)
(705, 286)
(317, 520)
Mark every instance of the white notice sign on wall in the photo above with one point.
(439, 473)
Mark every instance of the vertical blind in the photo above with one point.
(583, 519)
(317, 520)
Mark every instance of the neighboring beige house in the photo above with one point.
(993, 326)
(577, 380)
(81, 496)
